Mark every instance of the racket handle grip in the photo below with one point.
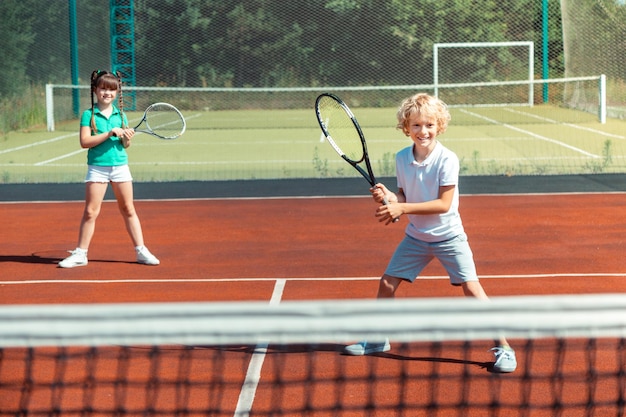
(386, 202)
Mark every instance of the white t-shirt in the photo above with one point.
(421, 182)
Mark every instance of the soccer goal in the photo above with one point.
(457, 66)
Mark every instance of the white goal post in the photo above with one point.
(531, 52)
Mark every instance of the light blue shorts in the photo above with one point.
(412, 256)
(119, 173)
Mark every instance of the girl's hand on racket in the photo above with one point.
(125, 136)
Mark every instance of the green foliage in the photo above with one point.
(320, 165)
(597, 167)
(598, 37)
(306, 43)
(255, 43)
(22, 110)
(16, 37)
(387, 166)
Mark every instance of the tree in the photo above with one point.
(16, 38)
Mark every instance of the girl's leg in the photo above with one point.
(94, 194)
(124, 195)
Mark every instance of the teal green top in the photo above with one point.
(111, 152)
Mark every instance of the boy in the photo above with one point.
(428, 174)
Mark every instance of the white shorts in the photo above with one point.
(119, 173)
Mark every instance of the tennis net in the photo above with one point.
(255, 359)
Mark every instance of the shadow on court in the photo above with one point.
(339, 348)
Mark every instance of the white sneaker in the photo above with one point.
(505, 359)
(367, 348)
(145, 257)
(78, 257)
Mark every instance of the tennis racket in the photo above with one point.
(347, 138)
(163, 121)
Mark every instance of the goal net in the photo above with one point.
(481, 64)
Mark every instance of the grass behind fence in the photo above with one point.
(256, 144)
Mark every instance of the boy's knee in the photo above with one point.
(387, 286)
(474, 289)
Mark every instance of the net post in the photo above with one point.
(436, 69)
(50, 107)
(602, 99)
(531, 73)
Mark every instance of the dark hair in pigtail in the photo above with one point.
(94, 83)
(121, 100)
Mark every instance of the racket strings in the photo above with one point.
(165, 121)
(341, 129)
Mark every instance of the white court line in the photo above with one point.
(170, 163)
(312, 279)
(319, 197)
(545, 119)
(253, 375)
(67, 155)
(534, 135)
(43, 142)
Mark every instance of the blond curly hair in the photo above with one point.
(426, 105)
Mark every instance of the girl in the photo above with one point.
(104, 131)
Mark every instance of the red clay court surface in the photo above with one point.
(234, 249)
(323, 248)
